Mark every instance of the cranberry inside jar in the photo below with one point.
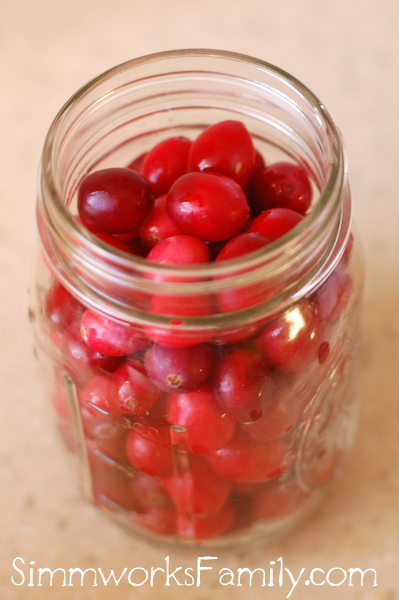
(198, 297)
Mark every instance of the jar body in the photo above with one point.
(244, 446)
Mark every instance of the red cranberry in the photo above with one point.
(247, 460)
(108, 337)
(98, 397)
(243, 297)
(199, 490)
(62, 309)
(202, 527)
(179, 369)
(149, 449)
(137, 163)
(150, 492)
(280, 416)
(107, 433)
(161, 521)
(207, 426)
(291, 342)
(115, 242)
(165, 163)
(82, 362)
(333, 296)
(283, 184)
(135, 393)
(114, 200)
(243, 383)
(158, 225)
(241, 244)
(209, 206)
(179, 250)
(225, 147)
(275, 222)
(111, 486)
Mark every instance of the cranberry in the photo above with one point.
(225, 147)
(247, 460)
(209, 206)
(107, 433)
(62, 309)
(291, 342)
(149, 449)
(135, 393)
(280, 416)
(243, 383)
(241, 244)
(137, 163)
(283, 184)
(250, 185)
(234, 299)
(275, 222)
(110, 482)
(179, 250)
(158, 225)
(165, 163)
(179, 369)
(207, 426)
(114, 200)
(98, 396)
(202, 527)
(115, 242)
(109, 337)
(333, 296)
(158, 520)
(199, 490)
(150, 492)
(82, 362)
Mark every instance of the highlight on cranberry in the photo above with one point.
(194, 435)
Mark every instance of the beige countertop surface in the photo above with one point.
(347, 52)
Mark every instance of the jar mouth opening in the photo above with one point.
(274, 255)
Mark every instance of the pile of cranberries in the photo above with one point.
(191, 437)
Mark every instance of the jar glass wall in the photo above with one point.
(238, 438)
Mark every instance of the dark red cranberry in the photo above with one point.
(243, 383)
(225, 147)
(275, 222)
(179, 369)
(135, 393)
(110, 338)
(158, 225)
(114, 200)
(283, 184)
(165, 163)
(209, 206)
(199, 490)
(207, 426)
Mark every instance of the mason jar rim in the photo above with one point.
(59, 218)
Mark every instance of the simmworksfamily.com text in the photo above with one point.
(275, 574)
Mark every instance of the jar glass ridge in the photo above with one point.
(119, 116)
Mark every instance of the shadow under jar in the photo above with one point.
(208, 401)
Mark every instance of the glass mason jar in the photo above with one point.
(230, 400)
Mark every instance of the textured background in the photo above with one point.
(348, 54)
